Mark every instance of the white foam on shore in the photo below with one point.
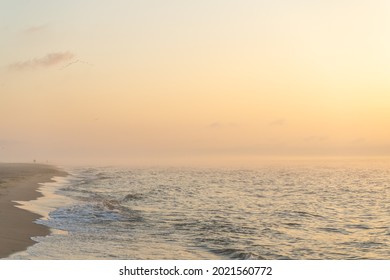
(49, 202)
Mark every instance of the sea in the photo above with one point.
(302, 210)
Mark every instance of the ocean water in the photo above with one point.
(280, 210)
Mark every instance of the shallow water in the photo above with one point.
(304, 210)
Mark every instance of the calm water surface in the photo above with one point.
(301, 210)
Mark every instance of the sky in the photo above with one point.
(181, 82)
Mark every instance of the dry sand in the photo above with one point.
(19, 182)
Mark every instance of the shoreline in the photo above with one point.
(20, 182)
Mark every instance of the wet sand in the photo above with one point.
(19, 182)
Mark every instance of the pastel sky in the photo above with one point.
(152, 81)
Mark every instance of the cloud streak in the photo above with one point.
(35, 29)
(278, 122)
(315, 138)
(76, 62)
(48, 60)
(217, 125)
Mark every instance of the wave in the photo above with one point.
(236, 254)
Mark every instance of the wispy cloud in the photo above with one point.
(77, 61)
(215, 125)
(278, 122)
(316, 138)
(35, 29)
(8, 142)
(359, 140)
(48, 60)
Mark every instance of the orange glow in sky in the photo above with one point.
(174, 81)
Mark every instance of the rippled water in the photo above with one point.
(305, 210)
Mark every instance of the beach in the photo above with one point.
(19, 182)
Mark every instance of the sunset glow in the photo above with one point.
(185, 81)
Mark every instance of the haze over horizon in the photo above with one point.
(176, 82)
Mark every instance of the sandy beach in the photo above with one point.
(19, 182)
